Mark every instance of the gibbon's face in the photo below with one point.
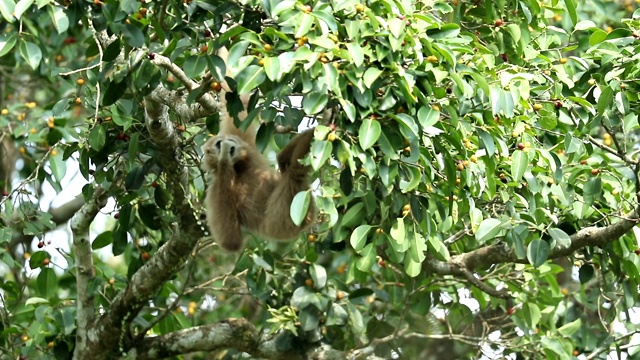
(224, 150)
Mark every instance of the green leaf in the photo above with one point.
(567, 330)
(359, 236)
(305, 25)
(7, 8)
(318, 275)
(563, 241)
(368, 258)
(133, 36)
(537, 252)
(272, 68)
(300, 207)
(354, 215)
(314, 102)
(102, 240)
(369, 133)
(592, 190)
(488, 229)
(7, 42)
(31, 53)
(250, 78)
(60, 19)
(605, 100)
(398, 232)
(370, 76)
(98, 137)
(531, 314)
(58, 166)
(47, 283)
(320, 153)
(357, 54)
(194, 66)
(438, 249)
(519, 164)
(572, 6)
(21, 7)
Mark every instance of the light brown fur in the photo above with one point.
(246, 192)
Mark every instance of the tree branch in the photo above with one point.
(205, 99)
(463, 265)
(237, 334)
(85, 272)
(110, 334)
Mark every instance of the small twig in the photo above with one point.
(84, 68)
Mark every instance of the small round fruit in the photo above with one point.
(311, 238)
(595, 171)
(308, 282)
(498, 22)
(40, 244)
(537, 107)
(340, 295)
(145, 256)
(591, 82)
(474, 159)
(116, 216)
(521, 146)
(154, 184)
(267, 47)
(216, 86)
(46, 261)
(460, 166)
(204, 49)
(510, 311)
(80, 81)
(432, 59)
(583, 162)
(382, 263)
(379, 231)
(261, 62)
(78, 101)
(558, 104)
(359, 8)
(563, 60)
(458, 181)
(332, 136)
(307, 8)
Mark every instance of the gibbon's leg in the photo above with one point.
(295, 150)
(278, 223)
(222, 203)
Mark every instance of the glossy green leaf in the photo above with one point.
(250, 78)
(369, 133)
(314, 102)
(300, 207)
(359, 236)
(31, 53)
(488, 229)
(367, 259)
(102, 240)
(519, 164)
(47, 282)
(537, 252)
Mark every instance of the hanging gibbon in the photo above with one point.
(245, 192)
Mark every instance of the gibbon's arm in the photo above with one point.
(295, 150)
(227, 125)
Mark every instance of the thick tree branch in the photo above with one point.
(110, 332)
(85, 272)
(463, 265)
(237, 334)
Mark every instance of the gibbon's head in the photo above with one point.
(224, 150)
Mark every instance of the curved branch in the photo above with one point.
(241, 335)
(110, 334)
(463, 265)
(85, 270)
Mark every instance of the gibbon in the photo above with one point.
(245, 191)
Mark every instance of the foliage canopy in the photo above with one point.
(477, 164)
